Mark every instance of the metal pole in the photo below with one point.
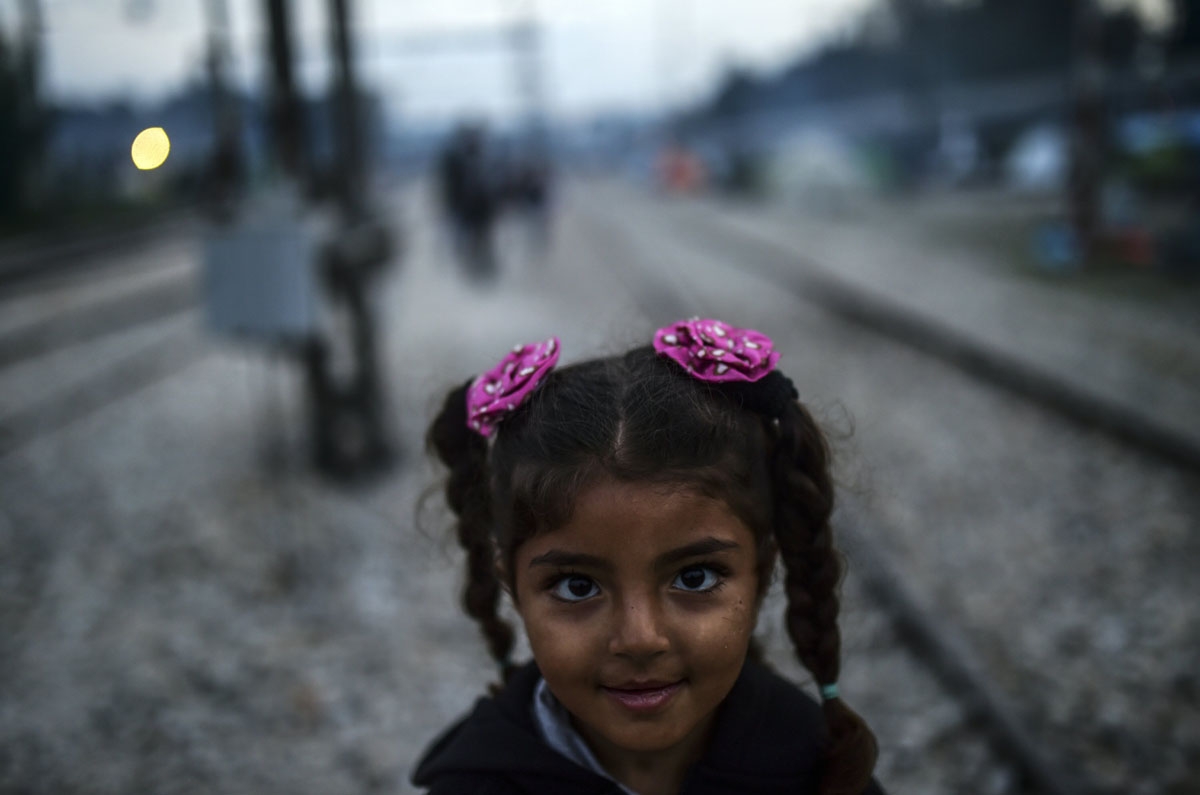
(287, 134)
(31, 42)
(227, 166)
(286, 113)
(527, 56)
(1087, 128)
(351, 180)
(30, 113)
(358, 437)
(918, 74)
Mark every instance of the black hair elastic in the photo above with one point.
(769, 396)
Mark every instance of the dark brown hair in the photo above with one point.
(641, 418)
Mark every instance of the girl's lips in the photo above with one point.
(644, 700)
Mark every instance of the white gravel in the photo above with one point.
(185, 609)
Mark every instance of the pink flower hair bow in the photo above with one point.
(717, 352)
(499, 391)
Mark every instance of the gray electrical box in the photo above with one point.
(260, 278)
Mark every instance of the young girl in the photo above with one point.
(634, 508)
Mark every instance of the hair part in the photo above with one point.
(641, 418)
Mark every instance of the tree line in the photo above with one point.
(914, 44)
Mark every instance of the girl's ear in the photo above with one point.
(502, 576)
(766, 573)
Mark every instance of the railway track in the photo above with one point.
(783, 265)
(968, 671)
(28, 266)
(971, 675)
(928, 644)
(85, 333)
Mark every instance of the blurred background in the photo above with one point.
(247, 246)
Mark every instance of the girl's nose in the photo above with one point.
(638, 630)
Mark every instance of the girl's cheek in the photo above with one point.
(568, 622)
(718, 628)
(564, 644)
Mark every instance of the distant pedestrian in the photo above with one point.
(529, 192)
(634, 508)
(468, 194)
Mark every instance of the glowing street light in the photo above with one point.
(150, 148)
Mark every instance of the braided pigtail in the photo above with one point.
(469, 496)
(803, 488)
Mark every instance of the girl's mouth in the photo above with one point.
(643, 699)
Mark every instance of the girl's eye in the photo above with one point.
(574, 588)
(698, 579)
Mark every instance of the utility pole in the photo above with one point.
(31, 43)
(285, 111)
(1087, 128)
(673, 23)
(31, 117)
(663, 24)
(269, 278)
(350, 179)
(355, 440)
(286, 125)
(918, 74)
(346, 415)
(527, 56)
(228, 158)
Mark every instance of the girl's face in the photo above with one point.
(639, 612)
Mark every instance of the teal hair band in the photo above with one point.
(829, 692)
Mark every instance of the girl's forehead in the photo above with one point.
(639, 521)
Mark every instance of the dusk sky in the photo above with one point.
(614, 55)
(619, 54)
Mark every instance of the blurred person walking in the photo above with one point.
(529, 192)
(467, 192)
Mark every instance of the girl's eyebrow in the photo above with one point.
(561, 558)
(708, 546)
(557, 557)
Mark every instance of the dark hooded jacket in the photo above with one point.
(766, 740)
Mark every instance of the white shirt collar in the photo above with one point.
(554, 724)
